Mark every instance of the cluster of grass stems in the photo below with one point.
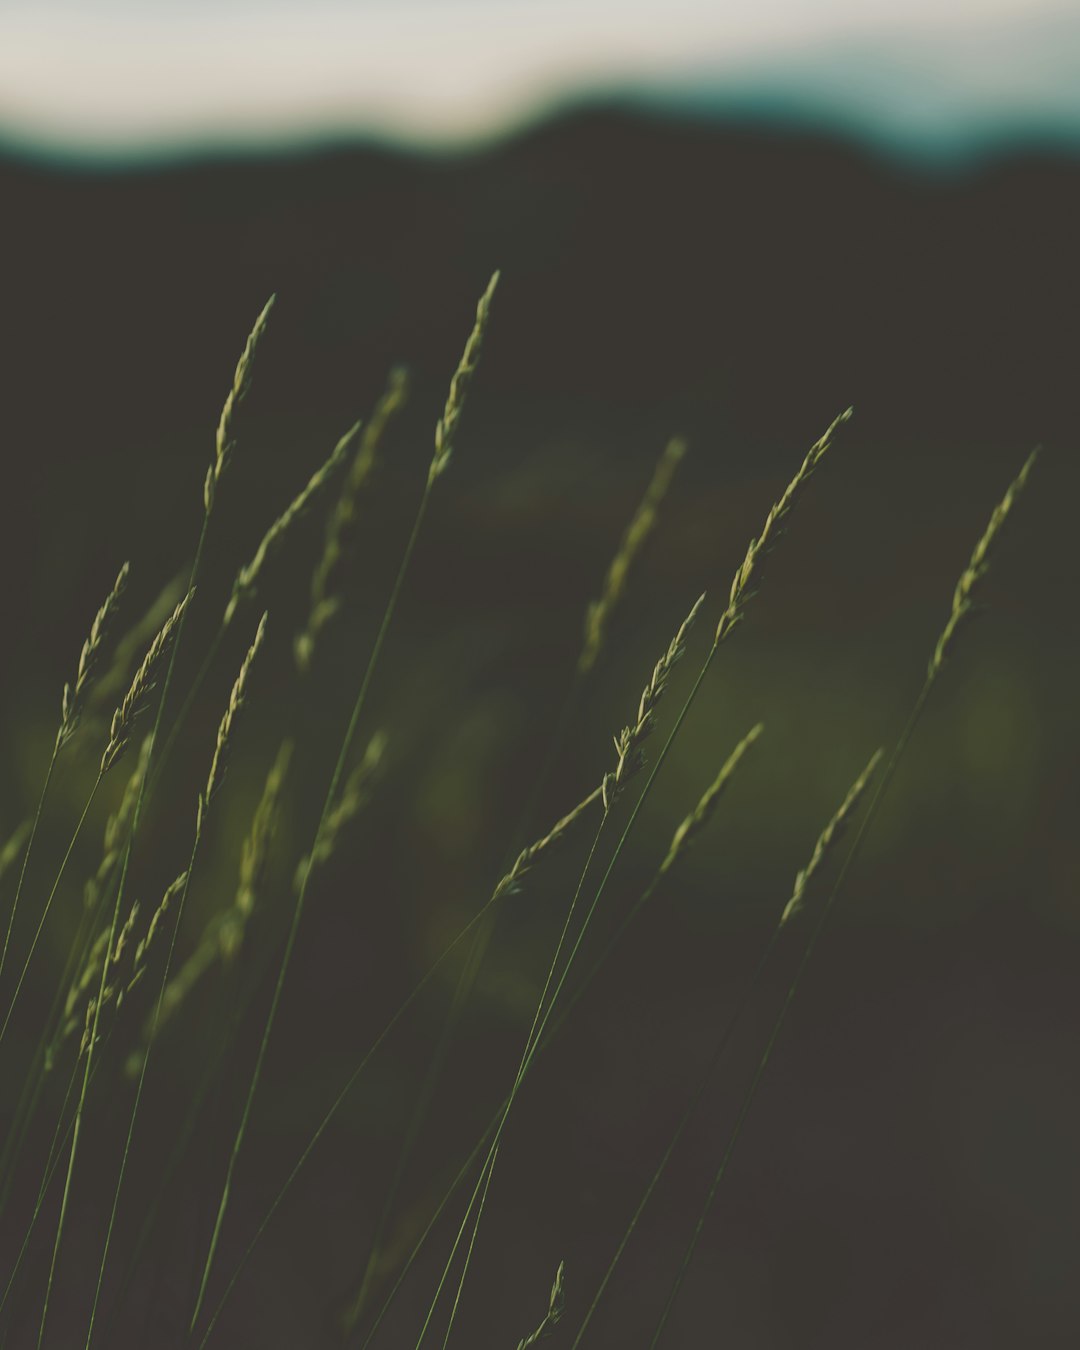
(123, 980)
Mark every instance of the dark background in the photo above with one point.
(908, 1173)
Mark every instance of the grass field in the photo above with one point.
(477, 889)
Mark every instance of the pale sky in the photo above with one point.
(115, 74)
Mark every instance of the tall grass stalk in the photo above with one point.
(237, 699)
(224, 446)
(72, 706)
(685, 835)
(630, 760)
(49, 900)
(598, 617)
(965, 606)
(53, 1025)
(51, 1164)
(826, 841)
(445, 434)
(508, 885)
(123, 721)
(245, 586)
(744, 586)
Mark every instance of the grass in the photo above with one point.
(132, 973)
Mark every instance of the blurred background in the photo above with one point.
(726, 223)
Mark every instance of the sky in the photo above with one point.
(116, 75)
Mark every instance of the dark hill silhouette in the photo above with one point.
(751, 280)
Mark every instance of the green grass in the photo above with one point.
(133, 974)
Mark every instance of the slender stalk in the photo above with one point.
(683, 836)
(685, 833)
(39, 1062)
(48, 903)
(423, 1102)
(47, 1041)
(237, 699)
(531, 1048)
(965, 605)
(506, 885)
(484, 1182)
(868, 816)
(181, 618)
(164, 1179)
(138, 1095)
(180, 720)
(26, 853)
(72, 706)
(631, 759)
(224, 448)
(744, 586)
(52, 1161)
(691, 1109)
(462, 992)
(446, 431)
(290, 941)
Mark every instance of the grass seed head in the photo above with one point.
(447, 426)
(225, 726)
(353, 798)
(699, 818)
(527, 859)
(342, 522)
(630, 741)
(116, 828)
(751, 571)
(599, 612)
(965, 605)
(553, 1316)
(174, 889)
(74, 699)
(108, 686)
(142, 683)
(225, 440)
(247, 579)
(830, 836)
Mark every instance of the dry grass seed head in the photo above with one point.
(353, 798)
(965, 605)
(247, 579)
(699, 818)
(138, 965)
(223, 933)
(599, 612)
(556, 1305)
(447, 425)
(527, 859)
(116, 828)
(256, 847)
(74, 699)
(225, 440)
(81, 999)
(342, 521)
(751, 571)
(225, 726)
(630, 741)
(124, 935)
(112, 682)
(830, 836)
(143, 681)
